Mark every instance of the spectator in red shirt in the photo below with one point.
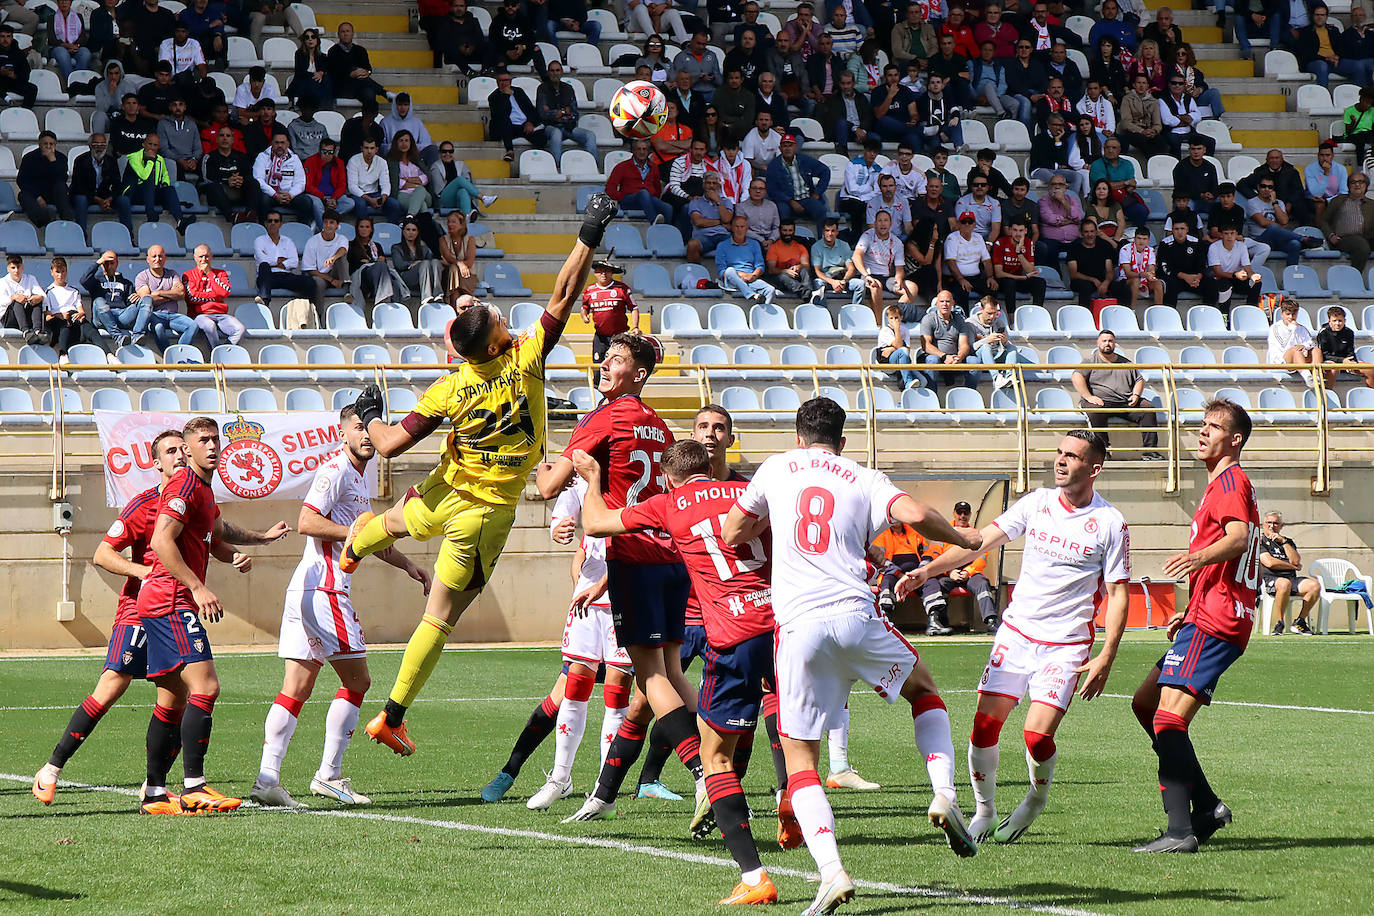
(608, 305)
(326, 181)
(207, 299)
(964, 42)
(635, 184)
(1013, 264)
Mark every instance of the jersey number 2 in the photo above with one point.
(815, 508)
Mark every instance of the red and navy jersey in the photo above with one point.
(134, 529)
(627, 439)
(609, 306)
(190, 500)
(732, 584)
(1005, 255)
(1221, 596)
(692, 615)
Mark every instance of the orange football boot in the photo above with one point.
(789, 831)
(348, 562)
(204, 798)
(164, 804)
(394, 738)
(743, 894)
(43, 793)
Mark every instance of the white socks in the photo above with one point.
(277, 732)
(817, 823)
(1041, 775)
(937, 747)
(982, 768)
(567, 735)
(338, 731)
(838, 740)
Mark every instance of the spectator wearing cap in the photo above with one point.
(278, 262)
(403, 118)
(740, 264)
(936, 590)
(280, 175)
(967, 261)
(797, 183)
(1347, 222)
(1324, 178)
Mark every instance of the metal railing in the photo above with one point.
(1021, 417)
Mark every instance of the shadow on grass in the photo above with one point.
(48, 814)
(37, 891)
(1050, 893)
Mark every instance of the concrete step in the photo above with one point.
(1303, 139)
(1243, 103)
(530, 243)
(366, 22)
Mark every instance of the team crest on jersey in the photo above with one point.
(249, 467)
(1090, 526)
(177, 505)
(117, 529)
(128, 657)
(199, 644)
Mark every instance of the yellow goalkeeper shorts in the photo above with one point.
(474, 532)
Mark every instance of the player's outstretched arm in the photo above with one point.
(164, 545)
(567, 288)
(390, 439)
(1097, 669)
(112, 561)
(954, 558)
(740, 527)
(233, 534)
(598, 519)
(1227, 547)
(934, 527)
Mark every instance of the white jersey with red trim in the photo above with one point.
(569, 505)
(1068, 557)
(824, 510)
(339, 493)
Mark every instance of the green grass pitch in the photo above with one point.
(1299, 781)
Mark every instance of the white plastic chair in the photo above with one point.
(1330, 574)
(585, 60)
(538, 166)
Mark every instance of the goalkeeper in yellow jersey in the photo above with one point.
(495, 403)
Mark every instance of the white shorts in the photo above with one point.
(818, 660)
(590, 639)
(1019, 667)
(320, 626)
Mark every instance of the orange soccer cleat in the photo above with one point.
(348, 561)
(394, 738)
(164, 804)
(789, 831)
(43, 793)
(746, 894)
(204, 798)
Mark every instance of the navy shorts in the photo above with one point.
(175, 640)
(693, 644)
(600, 671)
(1195, 662)
(648, 602)
(128, 652)
(733, 684)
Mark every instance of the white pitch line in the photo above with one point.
(266, 703)
(619, 846)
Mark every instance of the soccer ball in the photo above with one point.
(638, 110)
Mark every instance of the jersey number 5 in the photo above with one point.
(815, 508)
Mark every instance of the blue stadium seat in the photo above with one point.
(189, 198)
(387, 234)
(1334, 413)
(678, 319)
(922, 406)
(422, 355)
(111, 399)
(285, 356)
(1003, 401)
(1120, 320)
(205, 400)
(1159, 207)
(89, 355)
(1074, 320)
(504, 280)
(1249, 323)
(150, 234)
(770, 321)
(800, 355)
(256, 400)
(208, 234)
(1062, 356)
(112, 236)
(1346, 282)
(687, 279)
(393, 320)
(8, 203)
(1316, 254)
(525, 314)
(966, 407)
(652, 280)
(185, 354)
(725, 319)
(882, 401)
(1235, 395)
(583, 398)
(753, 355)
(561, 355)
(1151, 354)
(1163, 322)
(65, 237)
(400, 401)
(1190, 404)
(1033, 323)
(20, 238)
(742, 403)
(712, 356)
(477, 230)
(243, 235)
(131, 355)
(1054, 286)
(234, 355)
(782, 402)
(1301, 281)
(1199, 355)
(665, 242)
(626, 241)
(837, 395)
(371, 355)
(814, 322)
(845, 354)
(298, 233)
(1268, 283)
(1056, 406)
(16, 408)
(1361, 401)
(1241, 355)
(435, 316)
(344, 318)
(1207, 321)
(327, 355)
(162, 400)
(256, 318)
(343, 397)
(858, 321)
(69, 408)
(304, 399)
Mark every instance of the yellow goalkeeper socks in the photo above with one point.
(372, 538)
(421, 655)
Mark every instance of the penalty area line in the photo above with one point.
(907, 890)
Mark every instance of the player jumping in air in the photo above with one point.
(647, 583)
(319, 624)
(824, 511)
(1222, 566)
(127, 656)
(172, 603)
(732, 588)
(1076, 545)
(495, 403)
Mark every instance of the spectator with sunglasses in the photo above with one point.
(278, 263)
